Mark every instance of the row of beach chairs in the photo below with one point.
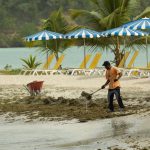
(92, 69)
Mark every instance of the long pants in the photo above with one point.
(111, 93)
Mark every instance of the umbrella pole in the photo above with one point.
(46, 55)
(147, 59)
(124, 52)
(84, 54)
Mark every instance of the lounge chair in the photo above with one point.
(79, 70)
(92, 68)
(46, 71)
(59, 62)
(122, 62)
(45, 66)
(133, 59)
(136, 71)
(121, 65)
(56, 68)
(95, 61)
(129, 70)
(48, 62)
(85, 61)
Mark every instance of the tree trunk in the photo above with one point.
(118, 54)
(57, 57)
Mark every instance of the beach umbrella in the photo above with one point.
(82, 34)
(44, 36)
(122, 31)
(143, 23)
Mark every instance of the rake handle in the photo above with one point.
(96, 91)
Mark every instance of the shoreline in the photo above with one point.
(57, 119)
(118, 133)
(61, 97)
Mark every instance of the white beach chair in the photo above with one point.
(45, 71)
(80, 70)
(92, 70)
(50, 71)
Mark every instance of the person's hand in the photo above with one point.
(115, 80)
(103, 87)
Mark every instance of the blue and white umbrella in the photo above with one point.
(122, 31)
(82, 33)
(143, 23)
(44, 36)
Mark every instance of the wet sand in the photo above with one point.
(128, 133)
(53, 119)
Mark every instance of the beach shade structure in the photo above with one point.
(123, 32)
(82, 34)
(44, 36)
(143, 23)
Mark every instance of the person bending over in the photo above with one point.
(113, 75)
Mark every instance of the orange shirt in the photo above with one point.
(111, 75)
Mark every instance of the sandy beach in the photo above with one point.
(59, 112)
(60, 66)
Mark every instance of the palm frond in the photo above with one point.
(30, 62)
(145, 13)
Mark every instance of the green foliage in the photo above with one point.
(10, 72)
(56, 22)
(110, 14)
(30, 63)
(19, 18)
(8, 67)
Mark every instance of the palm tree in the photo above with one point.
(110, 14)
(30, 63)
(60, 23)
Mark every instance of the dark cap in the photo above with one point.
(106, 63)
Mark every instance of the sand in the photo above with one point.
(121, 133)
(18, 109)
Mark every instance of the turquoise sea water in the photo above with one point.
(73, 56)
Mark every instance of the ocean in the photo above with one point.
(73, 56)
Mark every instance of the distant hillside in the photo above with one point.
(19, 18)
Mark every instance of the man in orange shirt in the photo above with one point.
(113, 75)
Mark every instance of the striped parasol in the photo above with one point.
(44, 36)
(83, 34)
(122, 31)
(143, 23)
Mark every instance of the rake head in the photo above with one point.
(86, 95)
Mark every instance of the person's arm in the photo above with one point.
(119, 76)
(103, 86)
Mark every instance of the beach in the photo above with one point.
(58, 117)
(55, 67)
